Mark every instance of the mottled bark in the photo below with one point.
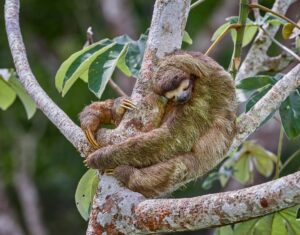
(217, 209)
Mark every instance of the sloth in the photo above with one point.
(194, 135)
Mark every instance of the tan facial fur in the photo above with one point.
(183, 86)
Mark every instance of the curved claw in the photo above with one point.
(128, 104)
(85, 163)
(109, 172)
(90, 137)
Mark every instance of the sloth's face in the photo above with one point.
(182, 93)
(174, 84)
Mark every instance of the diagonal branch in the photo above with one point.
(251, 120)
(65, 125)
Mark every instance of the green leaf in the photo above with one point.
(27, 101)
(280, 223)
(135, 54)
(225, 230)
(243, 170)
(232, 19)
(263, 160)
(219, 31)
(297, 44)
(103, 67)
(256, 96)
(287, 30)
(252, 154)
(263, 226)
(210, 179)
(74, 61)
(274, 20)
(249, 33)
(290, 220)
(226, 171)
(252, 83)
(279, 226)
(290, 115)
(78, 65)
(245, 228)
(7, 95)
(298, 214)
(247, 88)
(122, 64)
(186, 38)
(85, 76)
(79, 68)
(85, 192)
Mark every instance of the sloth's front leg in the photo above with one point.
(103, 112)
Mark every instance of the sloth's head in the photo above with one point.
(175, 85)
(175, 76)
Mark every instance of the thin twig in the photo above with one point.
(279, 150)
(255, 11)
(116, 88)
(220, 37)
(280, 45)
(195, 4)
(274, 13)
(236, 57)
(90, 36)
(287, 162)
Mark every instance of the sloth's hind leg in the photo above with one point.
(161, 178)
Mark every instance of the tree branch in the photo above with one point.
(165, 36)
(256, 58)
(65, 125)
(169, 215)
(283, 47)
(251, 120)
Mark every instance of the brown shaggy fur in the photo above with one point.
(193, 137)
(102, 112)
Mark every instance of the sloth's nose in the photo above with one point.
(182, 98)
